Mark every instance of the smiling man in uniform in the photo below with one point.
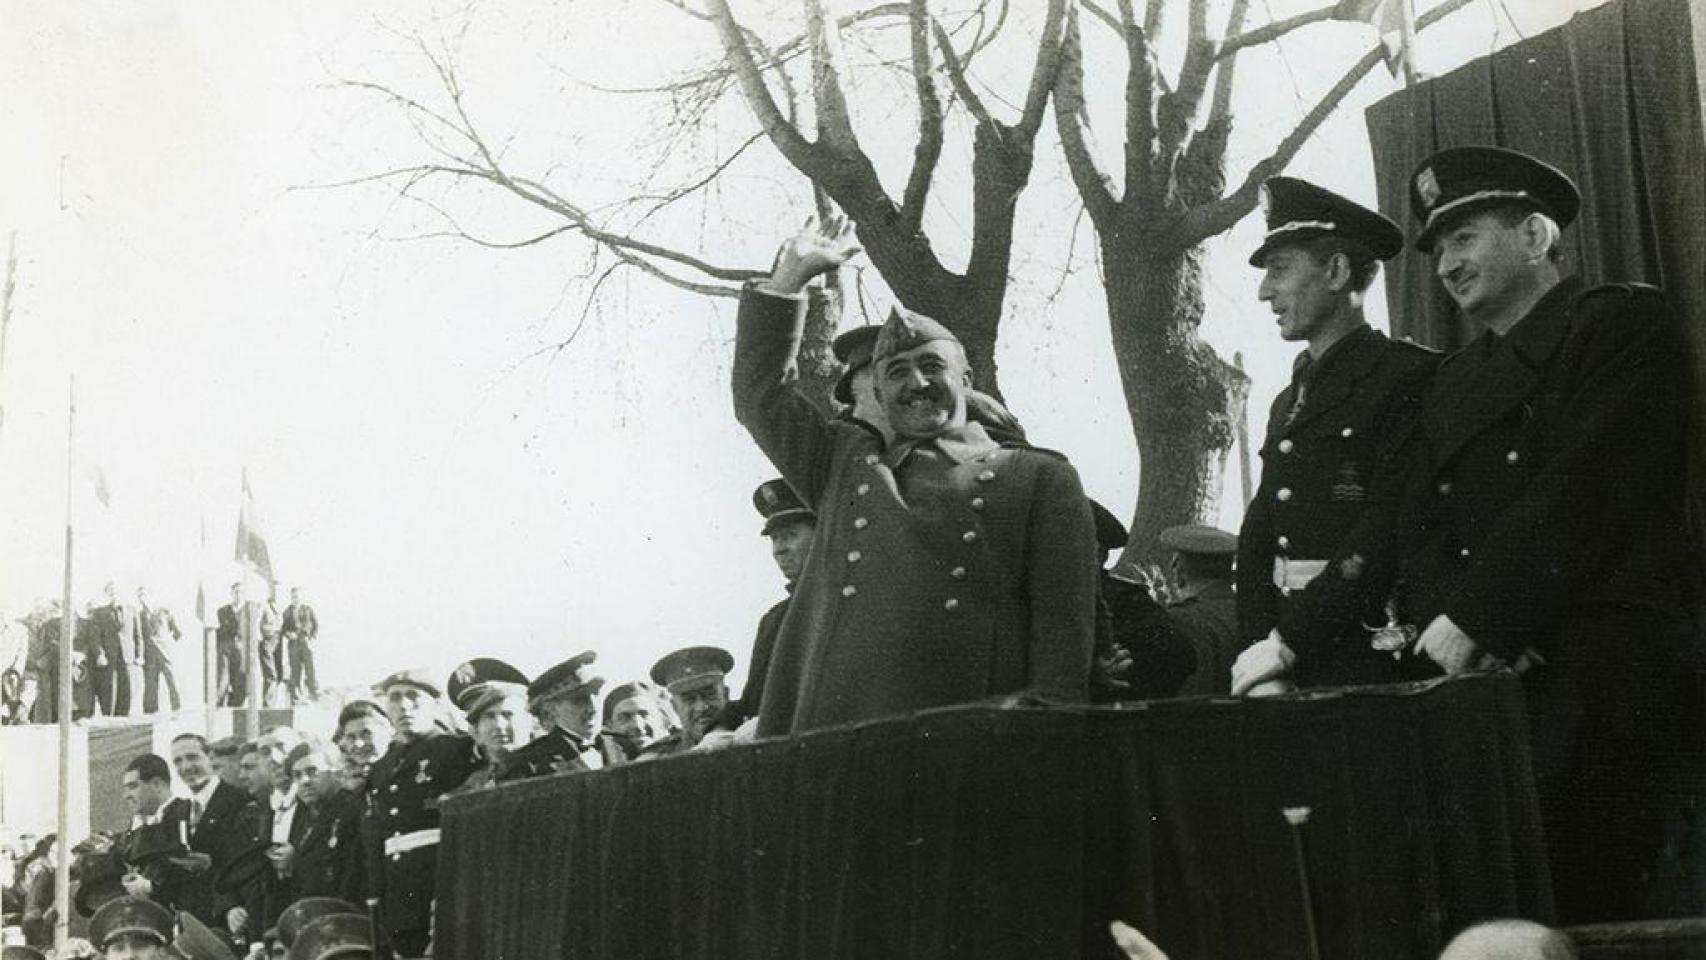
(946, 567)
(1546, 527)
(1315, 550)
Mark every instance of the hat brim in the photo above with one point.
(843, 391)
(1445, 220)
(595, 684)
(784, 517)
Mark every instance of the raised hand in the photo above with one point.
(815, 250)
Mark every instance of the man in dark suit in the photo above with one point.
(1315, 549)
(1546, 527)
(325, 860)
(986, 548)
(238, 626)
(221, 824)
(563, 698)
(301, 630)
(160, 635)
(119, 683)
(400, 830)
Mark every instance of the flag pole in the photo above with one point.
(251, 643)
(209, 651)
(67, 624)
(1407, 15)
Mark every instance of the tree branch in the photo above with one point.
(787, 138)
(1139, 104)
(1177, 111)
(957, 76)
(929, 148)
(1220, 112)
(834, 120)
(1272, 31)
(1043, 71)
(1213, 218)
(1094, 186)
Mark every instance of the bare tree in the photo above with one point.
(1152, 221)
(1183, 400)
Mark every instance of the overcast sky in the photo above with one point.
(440, 487)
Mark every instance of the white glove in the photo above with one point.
(1266, 659)
(1448, 646)
(1134, 945)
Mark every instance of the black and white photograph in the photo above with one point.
(853, 480)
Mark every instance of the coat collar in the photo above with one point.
(1331, 378)
(958, 444)
(1491, 376)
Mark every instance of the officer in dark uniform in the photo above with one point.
(132, 928)
(1140, 654)
(1204, 608)
(789, 525)
(696, 678)
(1315, 548)
(563, 698)
(492, 696)
(1546, 526)
(425, 760)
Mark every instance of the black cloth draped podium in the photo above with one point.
(986, 833)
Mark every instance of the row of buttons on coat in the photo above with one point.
(969, 537)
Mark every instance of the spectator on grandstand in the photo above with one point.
(364, 734)
(326, 859)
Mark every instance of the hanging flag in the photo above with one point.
(251, 544)
(1386, 16)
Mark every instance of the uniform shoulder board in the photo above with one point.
(1622, 289)
(1021, 445)
(1420, 348)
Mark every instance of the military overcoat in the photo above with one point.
(941, 572)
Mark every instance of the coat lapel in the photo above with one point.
(1334, 379)
(1490, 378)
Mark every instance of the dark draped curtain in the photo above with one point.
(996, 834)
(1612, 98)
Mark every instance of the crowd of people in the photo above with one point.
(1419, 516)
(124, 656)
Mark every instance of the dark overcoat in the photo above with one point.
(1332, 480)
(1547, 514)
(941, 572)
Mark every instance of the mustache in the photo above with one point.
(933, 392)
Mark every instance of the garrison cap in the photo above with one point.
(466, 681)
(1200, 539)
(18, 951)
(307, 910)
(1110, 532)
(1299, 210)
(854, 349)
(571, 676)
(777, 503)
(196, 942)
(135, 915)
(692, 667)
(1461, 180)
(417, 678)
(628, 691)
(905, 330)
(336, 935)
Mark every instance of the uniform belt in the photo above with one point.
(1292, 574)
(404, 842)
